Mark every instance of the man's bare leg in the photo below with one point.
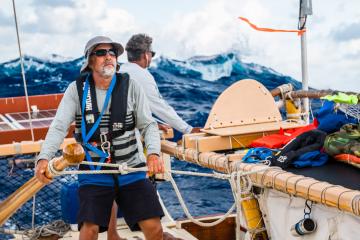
(89, 231)
(112, 233)
(152, 228)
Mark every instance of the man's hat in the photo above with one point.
(92, 43)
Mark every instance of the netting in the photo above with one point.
(351, 110)
(14, 172)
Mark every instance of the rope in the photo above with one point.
(23, 73)
(351, 110)
(186, 210)
(236, 190)
(58, 227)
(311, 110)
(124, 169)
(26, 93)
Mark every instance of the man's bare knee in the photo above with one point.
(157, 231)
(152, 229)
(89, 231)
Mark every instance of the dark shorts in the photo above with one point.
(138, 201)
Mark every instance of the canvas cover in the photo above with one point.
(282, 211)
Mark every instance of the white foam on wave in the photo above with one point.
(207, 66)
(55, 58)
(214, 72)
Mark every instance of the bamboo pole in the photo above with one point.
(72, 154)
(308, 94)
(27, 147)
(281, 89)
(324, 193)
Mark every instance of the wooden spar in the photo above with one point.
(27, 147)
(72, 154)
(307, 94)
(287, 90)
(305, 187)
(283, 88)
(205, 143)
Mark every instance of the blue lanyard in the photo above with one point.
(86, 136)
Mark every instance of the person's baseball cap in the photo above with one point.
(92, 43)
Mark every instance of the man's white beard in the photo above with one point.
(107, 71)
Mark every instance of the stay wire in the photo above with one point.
(26, 92)
(23, 72)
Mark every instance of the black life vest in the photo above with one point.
(117, 121)
(115, 124)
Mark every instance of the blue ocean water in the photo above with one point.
(191, 86)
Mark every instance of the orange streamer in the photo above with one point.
(299, 32)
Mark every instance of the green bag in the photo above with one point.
(347, 140)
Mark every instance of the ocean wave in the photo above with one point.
(190, 86)
(208, 68)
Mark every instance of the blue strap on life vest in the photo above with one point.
(86, 136)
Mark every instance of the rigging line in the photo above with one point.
(23, 72)
(26, 97)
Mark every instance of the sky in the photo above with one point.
(186, 28)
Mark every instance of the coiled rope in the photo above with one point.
(58, 227)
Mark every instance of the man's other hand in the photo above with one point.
(164, 127)
(155, 164)
(195, 130)
(40, 171)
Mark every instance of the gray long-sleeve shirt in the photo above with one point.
(70, 106)
(157, 103)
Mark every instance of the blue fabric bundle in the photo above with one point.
(330, 120)
(311, 159)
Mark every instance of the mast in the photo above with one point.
(304, 11)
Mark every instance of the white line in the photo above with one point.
(13, 121)
(36, 119)
(7, 121)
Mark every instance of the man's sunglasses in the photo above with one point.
(103, 52)
(152, 53)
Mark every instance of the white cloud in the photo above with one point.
(62, 29)
(214, 29)
(204, 30)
